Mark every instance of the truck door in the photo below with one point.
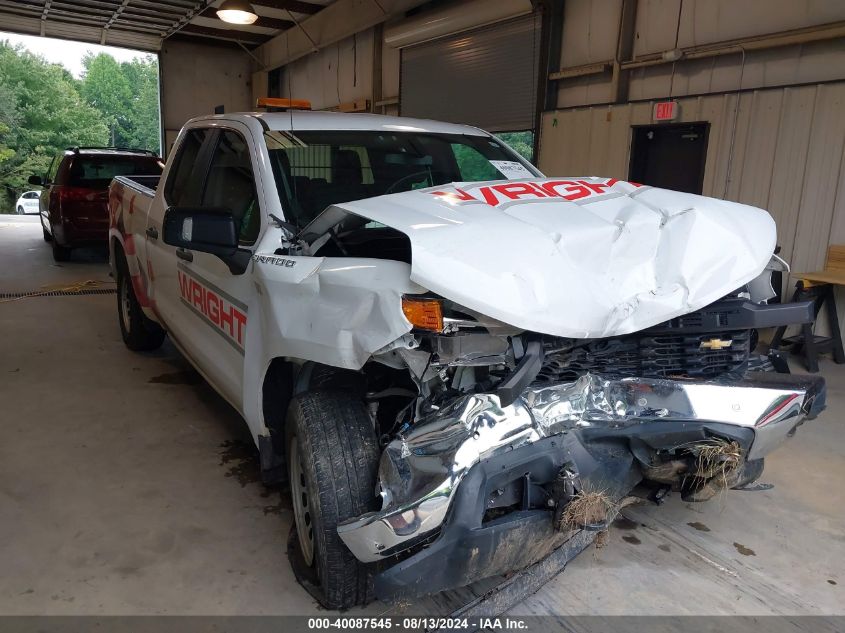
(212, 301)
(181, 186)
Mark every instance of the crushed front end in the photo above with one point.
(483, 470)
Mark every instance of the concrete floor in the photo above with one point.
(128, 487)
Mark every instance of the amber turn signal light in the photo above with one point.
(424, 314)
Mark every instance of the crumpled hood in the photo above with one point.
(574, 257)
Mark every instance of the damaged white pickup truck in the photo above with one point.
(446, 353)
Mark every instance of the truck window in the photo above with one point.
(178, 191)
(231, 184)
(95, 171)
(315, 169)
(473, 165)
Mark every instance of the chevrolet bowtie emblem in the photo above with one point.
(715, 344)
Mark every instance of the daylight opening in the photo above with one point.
(56, 94)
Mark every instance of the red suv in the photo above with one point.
(74, 202)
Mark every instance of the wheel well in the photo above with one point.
(284, 380)
(115, 249)
(276, 393)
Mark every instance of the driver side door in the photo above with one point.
(212, 295)
(228, 291)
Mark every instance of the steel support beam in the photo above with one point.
(378, 47)
(296, 6)
(624, 50)
(247, 37)
(823, 32)
(334, 23)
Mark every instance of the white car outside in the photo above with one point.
(27, 204)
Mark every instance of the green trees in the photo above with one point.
(106, 88)
(43, 110)
(145, 129)
(127, 96)
(521, 142)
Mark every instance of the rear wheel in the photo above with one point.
(140, 334)
(332, 452)
(60, 253)
(20, 210)
(47, 237)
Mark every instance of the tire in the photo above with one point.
(47, 237)
(60, 253)
(20, 210)
(140, 334)
(332, 455)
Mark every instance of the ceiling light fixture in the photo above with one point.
(237, 12)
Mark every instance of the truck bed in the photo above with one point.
(146, 185)
(130, 199)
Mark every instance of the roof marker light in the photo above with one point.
(286, 104)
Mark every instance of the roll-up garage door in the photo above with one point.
(486, 77)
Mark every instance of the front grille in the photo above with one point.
(651, 356)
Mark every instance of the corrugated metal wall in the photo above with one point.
(591, 29)
(459, 78)
(787, 156)
(340, 73)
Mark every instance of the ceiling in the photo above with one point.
(144, 24)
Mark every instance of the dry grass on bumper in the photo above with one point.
(588, 508)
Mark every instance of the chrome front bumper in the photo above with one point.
(420, 471)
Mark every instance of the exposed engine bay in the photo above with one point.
(465, 352)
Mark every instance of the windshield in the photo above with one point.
(315, 169)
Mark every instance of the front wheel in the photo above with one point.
(140, 334)
(47, 237)
(332, 452)
(20, 210)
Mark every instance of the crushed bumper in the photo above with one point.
(427, 474)
(468, 549)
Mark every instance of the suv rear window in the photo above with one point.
(96, 172)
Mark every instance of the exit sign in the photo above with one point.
(665, 111)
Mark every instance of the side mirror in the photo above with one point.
(38, 181)
(206, 230)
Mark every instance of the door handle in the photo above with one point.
(152, 233)
(185, 254)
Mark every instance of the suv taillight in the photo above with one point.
(76, 194)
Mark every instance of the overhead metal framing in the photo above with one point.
(144, 24)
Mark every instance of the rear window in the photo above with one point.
(96, 172)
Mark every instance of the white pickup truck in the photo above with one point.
(456, 362)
